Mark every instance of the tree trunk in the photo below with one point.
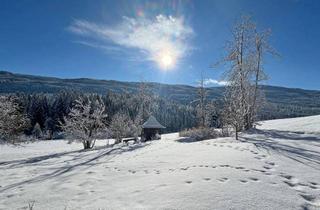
(237, 134)
(86, 144)
(50, 134)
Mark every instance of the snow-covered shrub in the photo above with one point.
(198, 134)
(122, 126)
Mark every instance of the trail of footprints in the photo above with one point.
(302, 188)
(268, 169)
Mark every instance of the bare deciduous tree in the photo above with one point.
(244, 55)
(85, 120)
(202, 99)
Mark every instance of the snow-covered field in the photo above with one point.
(276, 166)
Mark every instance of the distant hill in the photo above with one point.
(283, 102)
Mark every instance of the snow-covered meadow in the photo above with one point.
(276, 166)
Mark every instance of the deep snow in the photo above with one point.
(275, 166)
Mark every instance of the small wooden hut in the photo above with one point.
(151, 129)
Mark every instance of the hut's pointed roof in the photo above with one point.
(152, 123)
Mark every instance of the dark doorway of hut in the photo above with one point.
(151, 129)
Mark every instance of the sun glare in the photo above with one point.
(166, 60)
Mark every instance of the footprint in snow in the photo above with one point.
(243, 181)
(313, 187)
(267, 167)
(188, 182)
(184, 169)
(268, 173)
(254, 152)
(136, 191)
(270, 163)
(224, 179)
(207, 179)
(313, 183)
(132, 171)
(259, 170)
(289, 177)
(254, 179)
(308, 197)
(290, 184)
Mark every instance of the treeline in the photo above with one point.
(46, 113)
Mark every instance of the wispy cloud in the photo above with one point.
(209, 82)
(160, 36)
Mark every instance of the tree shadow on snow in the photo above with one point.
(80, 157)
(287, 144)
(187, 140)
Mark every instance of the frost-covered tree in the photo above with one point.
(85, 120)
(12, 120)
(145, 101)
(202, 103)
(50, 126)
(257, 74)
(244, 56)
(37, 132)
(233, 113)
(121, 126)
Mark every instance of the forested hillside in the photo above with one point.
(281, 102)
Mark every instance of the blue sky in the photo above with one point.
(161, 41)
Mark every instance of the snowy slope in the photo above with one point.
(273, 167)
(301, 124)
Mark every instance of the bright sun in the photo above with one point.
(166, 60)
